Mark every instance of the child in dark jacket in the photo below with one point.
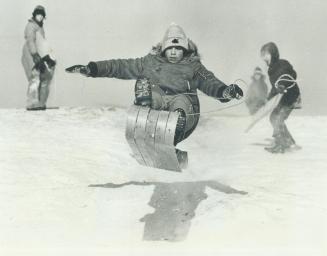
(173, 72)
(282, 77)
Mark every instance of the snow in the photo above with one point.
(260, 203)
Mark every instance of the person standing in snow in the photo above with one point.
(282, 77)
(257, 93)
(172, 72)
(39, 70)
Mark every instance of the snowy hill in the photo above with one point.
(234, 198)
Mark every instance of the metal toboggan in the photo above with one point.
(150, 134)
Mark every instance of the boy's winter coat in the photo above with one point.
(32, 28)
(184, 77)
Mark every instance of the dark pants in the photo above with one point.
(160, 101)
(277, 119)
(38, 87)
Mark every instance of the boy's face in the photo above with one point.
(266, 57)
(39, 18)
(257, 76)
(174, 54)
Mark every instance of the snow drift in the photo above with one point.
(69, 185)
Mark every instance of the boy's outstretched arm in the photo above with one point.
(119, 68)
(212, 86)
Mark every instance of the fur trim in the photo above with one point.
(192, 52)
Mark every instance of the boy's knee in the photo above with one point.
(157, 101)
(181, 102)
(184, 106)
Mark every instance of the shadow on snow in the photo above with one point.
(175, 205)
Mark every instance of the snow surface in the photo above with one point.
(49, 159)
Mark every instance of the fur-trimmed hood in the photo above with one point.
(192, 53)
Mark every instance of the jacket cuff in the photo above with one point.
(93, 68)
(221, 94)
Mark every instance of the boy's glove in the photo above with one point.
(233, 91)
(36, 58)
(40, 66)
(281, 88)
(50, 62)
(81, 69)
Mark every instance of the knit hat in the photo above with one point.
(39, 10)
(174, 36)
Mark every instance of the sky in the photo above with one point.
(229, 35)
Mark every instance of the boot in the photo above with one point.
(36, 108)
(276, 149)
(279, 146)
(180, 126)
(182, 158)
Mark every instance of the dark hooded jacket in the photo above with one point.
(277, 68)
(184, 77)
